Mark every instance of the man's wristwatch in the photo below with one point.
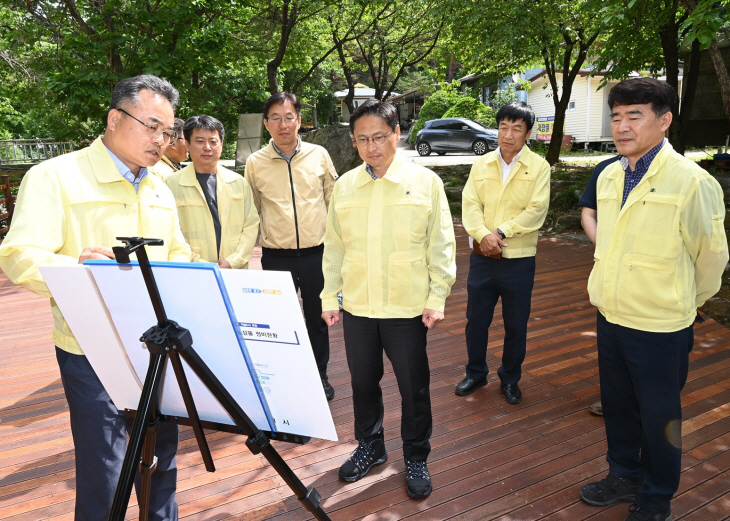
(501, 233)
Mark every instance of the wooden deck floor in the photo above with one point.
(489, 460)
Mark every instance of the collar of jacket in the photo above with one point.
(273, 154)
(616, 173)
(394, 173)
(105, 170)
(188, 178)
(525, 159)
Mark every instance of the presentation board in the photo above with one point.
(246, 325)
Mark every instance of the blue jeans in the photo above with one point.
(489, 280)
(642, 374)
(100, 439)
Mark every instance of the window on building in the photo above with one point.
(571, 105)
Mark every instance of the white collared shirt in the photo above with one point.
(507, 168)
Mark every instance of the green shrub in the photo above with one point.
(434, 108)
(466, 107)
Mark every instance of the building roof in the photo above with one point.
(361, 91)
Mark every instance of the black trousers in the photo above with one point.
(306, 271)
(100, 440)
(642, 374)
(404, 342)
(488, 280)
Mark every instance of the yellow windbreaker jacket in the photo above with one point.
(308, 180)
(390, 244)
(517, 207)
(77, 200)
(236, 210)
(661, 256)
(163, 168)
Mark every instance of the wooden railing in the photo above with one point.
(7, 199)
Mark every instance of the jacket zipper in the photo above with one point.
(294, 203)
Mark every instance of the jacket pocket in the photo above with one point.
(595, 281)
(718, 243)
(647, 288)
(408, 280)
(354, 278)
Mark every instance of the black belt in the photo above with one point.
(287, 252)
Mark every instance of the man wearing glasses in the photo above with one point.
(291, 183)
(70, 209)
(175, 154)
(390, 249)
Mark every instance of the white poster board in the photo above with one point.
(276, 383)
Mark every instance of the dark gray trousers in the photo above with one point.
(100, 439)
(404, 342)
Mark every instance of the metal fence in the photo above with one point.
(25, 151)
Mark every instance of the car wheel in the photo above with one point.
(441, 153)
(479, 147)
(423, 148)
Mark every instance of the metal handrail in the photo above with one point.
(14, 151)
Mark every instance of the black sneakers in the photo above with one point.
(329, 391)
(609, 490)
(418, 480)
(639, 514)
(363, 458)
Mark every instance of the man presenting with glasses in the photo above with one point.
(390, 249)
(217, 214)
(71, 208)
(291, 183)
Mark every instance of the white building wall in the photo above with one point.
(541, 100)
(599, 110)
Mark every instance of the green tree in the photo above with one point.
(435, 107)
(510, 35)
(649, 36)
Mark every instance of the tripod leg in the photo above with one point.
(146, 467)
(192, 411)
(147, 403)
(257, 441)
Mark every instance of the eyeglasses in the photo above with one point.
(154, 132)
(378, 140)
(279, 119)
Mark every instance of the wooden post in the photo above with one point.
(8, 195)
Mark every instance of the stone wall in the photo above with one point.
(336, 139)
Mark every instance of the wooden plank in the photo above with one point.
(489, 460)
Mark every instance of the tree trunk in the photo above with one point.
(669, 37)
(690, 77)
(556, 140)
(722, 76)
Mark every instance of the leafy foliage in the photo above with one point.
(434, 108)
(467, 107)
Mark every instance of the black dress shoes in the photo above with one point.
(511, 393)
(468, 386)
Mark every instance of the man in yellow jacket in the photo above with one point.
(660, 252)
(72, 208)
(217, 213)
(390, 249)
(175, 154)
(504, 203)
(292, 182)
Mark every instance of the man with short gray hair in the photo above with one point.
(70, 209)
(658, 222)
